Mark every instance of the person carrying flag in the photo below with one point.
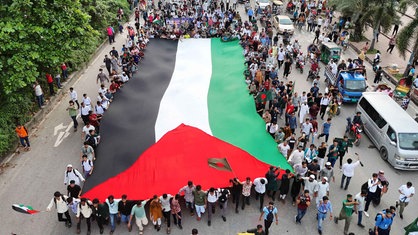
(60, 202)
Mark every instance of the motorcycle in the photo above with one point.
(299, 65)
(355, 130)
(286, 38)
(312, 74)
(290, 7)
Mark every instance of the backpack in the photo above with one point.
(365, 186)
(74, 173)
(224, 196)
(270, 215)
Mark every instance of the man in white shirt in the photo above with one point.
(86, 130)
(87, 166)
(323, 189)
(360, 199)
(260, 189)
(372, 185)
(84, 112)
(311, 185)
(212, 198)
(284, 148)
(165, 204)
(272, 128)
(86, 100)
(406, 192)
(348, 172)
(73, 97)
(297, 156)
(84, 211)
(60, 203)
(72, 174)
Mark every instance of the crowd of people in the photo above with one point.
(265, 55)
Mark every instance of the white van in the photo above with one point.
(391, 129)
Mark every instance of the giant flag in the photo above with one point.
(186, 115)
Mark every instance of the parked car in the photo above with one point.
(283, 24)
(263, 3)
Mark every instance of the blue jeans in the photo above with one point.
(112, 221)
(40, 100)
(24, 141)
(321, 218)
(124, 218)
(360, 217)
(346, 182)
(332, 160)
(300, 215)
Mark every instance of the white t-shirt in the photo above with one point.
(87, 101)
(406, 192)
(73, 95)
(212, 198)
(284, 149)
(348, 169)
(38, 90)
(165, 203)
(259, 187)
(86, 129)
(87, 165)
(361, 201)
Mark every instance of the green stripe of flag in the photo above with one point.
(232, 115)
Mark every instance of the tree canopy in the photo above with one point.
(36, 36)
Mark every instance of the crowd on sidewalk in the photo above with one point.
(265, 56)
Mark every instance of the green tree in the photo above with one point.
(381, 14)
(355, 10)
(36, 36)
(408, 35)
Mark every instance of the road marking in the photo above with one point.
(62, 134)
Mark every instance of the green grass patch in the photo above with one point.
(372, 51)
(398, 76)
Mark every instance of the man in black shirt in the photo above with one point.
(287, 68)
(108, 63)
(114, 52)
(73, 190)
(124, 209)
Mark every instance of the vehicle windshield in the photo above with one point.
(408, 141)
(263, 1)
(355, 85)
(285, 21)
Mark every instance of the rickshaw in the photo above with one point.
(277, 7)
(330, 50)
(313, 49)
(401, 90)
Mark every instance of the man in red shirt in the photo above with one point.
(290, 108)
(94, 120)
(303, 202)
(64, 71)
(113, 87)
(50, 82)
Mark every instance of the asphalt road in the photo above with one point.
(32, 177)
